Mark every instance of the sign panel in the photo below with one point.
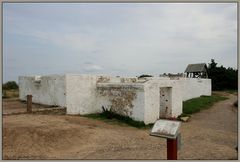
(166, 128)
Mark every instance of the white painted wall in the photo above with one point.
(195, 87)
(152, 98)
(81, 93)
(176, 99)
(151, 107)
(49, 90)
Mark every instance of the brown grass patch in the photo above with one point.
(12, 93)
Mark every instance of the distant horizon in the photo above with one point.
(218, 65)
(117, 39)
(157, 75)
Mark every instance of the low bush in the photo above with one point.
(10, 85)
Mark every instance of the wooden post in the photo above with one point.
(29, 103)
(172, 149)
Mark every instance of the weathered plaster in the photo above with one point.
(121, 98)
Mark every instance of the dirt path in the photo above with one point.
(15, 106)
(210, 134)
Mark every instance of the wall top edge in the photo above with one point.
(119, 85)
(140, 81)
(50, 75)
(194, 79)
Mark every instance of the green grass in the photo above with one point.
(197, 104)
(118, 119)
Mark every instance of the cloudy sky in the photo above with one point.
(126, 39)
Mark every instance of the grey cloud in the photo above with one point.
(111, 41)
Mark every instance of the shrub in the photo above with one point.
(10, 85)
(145, 75)
(222, 77)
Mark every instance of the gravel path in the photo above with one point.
(210, 134)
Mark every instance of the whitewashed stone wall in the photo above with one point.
(138, 99)
(81, 94)
(49, 90)
(126, 99)
(152, 99)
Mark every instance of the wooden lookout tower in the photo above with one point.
(197, 70)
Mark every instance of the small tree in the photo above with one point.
(10, 85)
(222, 78)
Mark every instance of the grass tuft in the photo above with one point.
(110, 116)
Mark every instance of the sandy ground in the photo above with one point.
(210, 134)
(15, 106)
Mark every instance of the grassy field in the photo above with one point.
(197, 104)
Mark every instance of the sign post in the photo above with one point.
(29, 103)
(171, 149)
(170, 130)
